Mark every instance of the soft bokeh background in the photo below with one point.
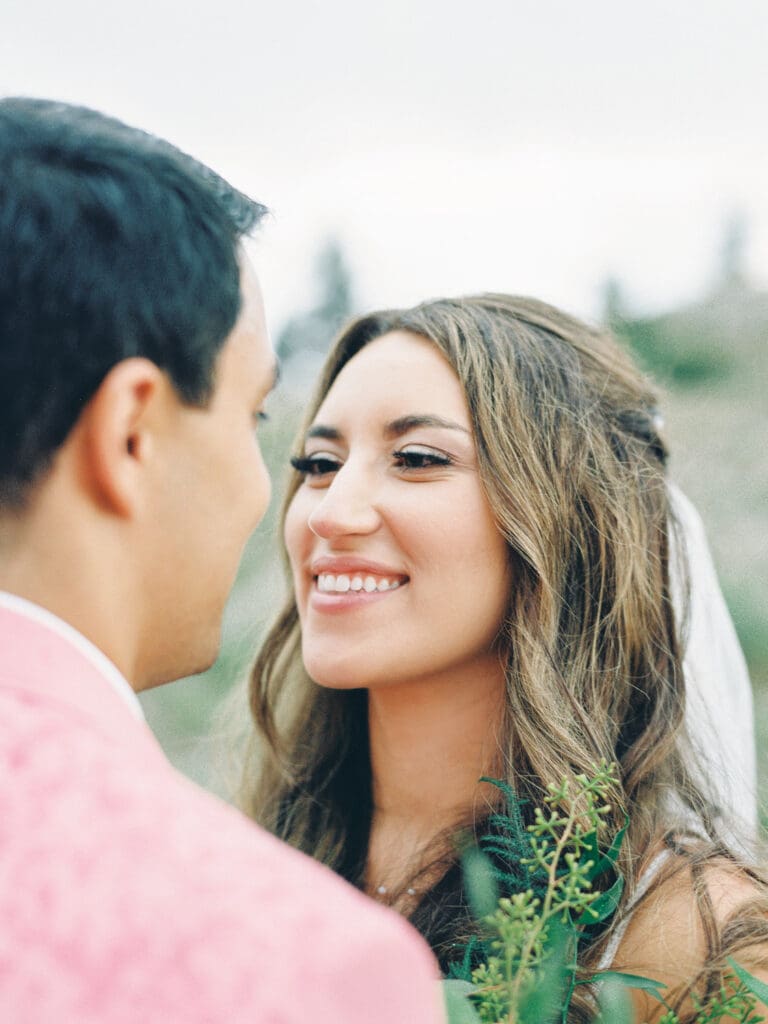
(611, 158)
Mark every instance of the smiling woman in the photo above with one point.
(479, 534)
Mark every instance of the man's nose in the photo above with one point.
(262, 490)
(348, 506)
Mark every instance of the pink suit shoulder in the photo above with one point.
(129, 896)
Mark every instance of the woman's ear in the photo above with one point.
(116, 432)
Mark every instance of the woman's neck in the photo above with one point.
(430, 741)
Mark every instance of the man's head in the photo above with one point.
(133, 356)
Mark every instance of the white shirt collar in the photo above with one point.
(97, 658)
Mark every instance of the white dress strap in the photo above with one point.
(643, 885)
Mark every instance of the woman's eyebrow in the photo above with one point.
(402, 425)
(392, 430)
(325, 433)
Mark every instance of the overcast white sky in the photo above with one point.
(522, 146)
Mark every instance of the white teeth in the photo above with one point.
(328, 583)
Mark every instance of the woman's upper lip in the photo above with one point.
(352, 564)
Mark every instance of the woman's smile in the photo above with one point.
(342, 596)
(344, 584)
(364, 585)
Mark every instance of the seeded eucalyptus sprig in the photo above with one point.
(537, 890)
(541, 882)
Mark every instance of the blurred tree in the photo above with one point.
(693, 345)
(613, 302)
(733, 252)
(313, 330)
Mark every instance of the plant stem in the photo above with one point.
(546, 913)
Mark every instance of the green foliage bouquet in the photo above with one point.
(522, 969)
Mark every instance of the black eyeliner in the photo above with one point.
(432, 458)
(314, 465)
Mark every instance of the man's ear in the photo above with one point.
(116, 434)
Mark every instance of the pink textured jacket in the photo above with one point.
(129, 896)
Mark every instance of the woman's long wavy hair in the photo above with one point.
(573, 467)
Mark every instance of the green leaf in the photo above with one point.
(604, 905)
(474, 950)
(501, 821)
(630, 981)
(591, 851)
(513, 803)
(546, 1001)
(614, 1002)
(756, 987)
(458, 1008)
(609, 858)
(479, 883)
(505, 788)
(501, 846)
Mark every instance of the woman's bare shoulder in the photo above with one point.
(677, 928)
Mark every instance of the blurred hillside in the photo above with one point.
(710, 360)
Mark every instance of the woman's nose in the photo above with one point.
(346, 508)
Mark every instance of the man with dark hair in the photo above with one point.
(134, 361)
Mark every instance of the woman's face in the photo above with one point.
(401, 573)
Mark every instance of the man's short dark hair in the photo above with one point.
(112, 244)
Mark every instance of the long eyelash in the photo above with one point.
(428, 459)
(301, 465)
(310, 465)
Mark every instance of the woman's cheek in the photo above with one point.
(295, 533)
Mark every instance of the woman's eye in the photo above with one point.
(420, 458)
(316, 465)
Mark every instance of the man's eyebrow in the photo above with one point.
(402, 425)
(275, 375)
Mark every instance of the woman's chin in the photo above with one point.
(336, 674)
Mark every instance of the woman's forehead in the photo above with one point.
(396, 369)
